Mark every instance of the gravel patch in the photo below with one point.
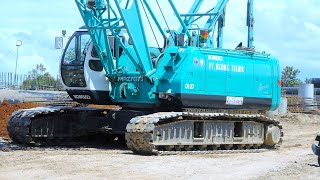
(3, 144)
(16, 96)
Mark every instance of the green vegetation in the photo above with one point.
(289, 77)
(38, 78)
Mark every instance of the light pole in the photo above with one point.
(18, 44)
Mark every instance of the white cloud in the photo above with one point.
(288, 29)
(270, 5)
(27, 62)
(290, 35)
(312, 28)
(36, 23)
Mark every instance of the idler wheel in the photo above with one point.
(272, 136)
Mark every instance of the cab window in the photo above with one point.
(70, 54)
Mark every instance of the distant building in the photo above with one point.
(294, 90)
(316, 82)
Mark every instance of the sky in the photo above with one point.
(287, 29)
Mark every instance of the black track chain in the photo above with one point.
(20, 121)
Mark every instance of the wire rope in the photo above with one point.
(154, 35)
(164, 19)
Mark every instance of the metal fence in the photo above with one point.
(9, 80)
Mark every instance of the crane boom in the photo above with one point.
(97, 17)
(194, 8)
(218, 11)
(133, 23)
(250, 22)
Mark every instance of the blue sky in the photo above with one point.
(288, 29)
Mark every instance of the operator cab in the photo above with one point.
(82, 72)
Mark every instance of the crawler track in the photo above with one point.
(167, 133)
(20, 122)
(163, 133)
(50, 125)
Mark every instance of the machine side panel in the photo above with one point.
(262, 78)
(220, 102)
(216, 72)
(276, 82)
(239, 81)
(218, 79)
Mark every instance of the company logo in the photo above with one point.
(195, 61)
(122, 79)
(215, 58)
(81, 96)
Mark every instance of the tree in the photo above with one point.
(38, 78)
(289, 77)
(308, 80)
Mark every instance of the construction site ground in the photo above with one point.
(294, 160)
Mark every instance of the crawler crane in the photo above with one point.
(187, 94)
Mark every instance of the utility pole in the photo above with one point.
(18, 44)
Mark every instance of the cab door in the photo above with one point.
(72, 62)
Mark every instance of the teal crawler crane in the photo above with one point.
(170, 94)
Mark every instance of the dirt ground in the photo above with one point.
(294, 160)
(6, 110)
